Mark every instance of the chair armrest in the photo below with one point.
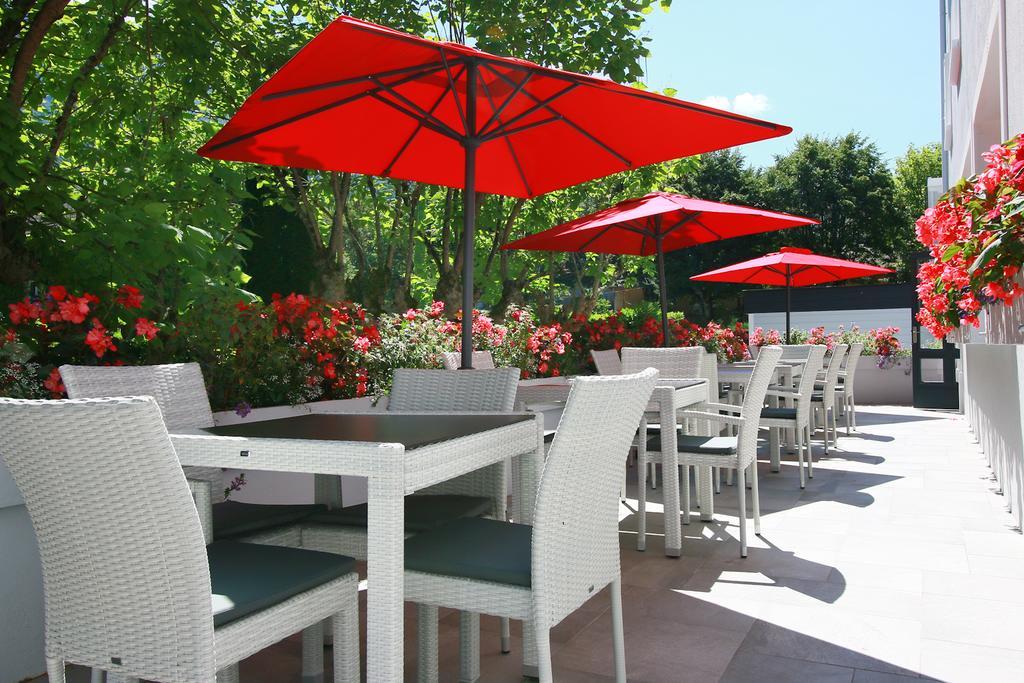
(202, 494)
(726, 407)
(785, 393)
(712, 417)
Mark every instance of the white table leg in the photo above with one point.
(386, 566)
(530, 466)
(670, 471)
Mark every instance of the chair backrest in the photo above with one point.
(832, 373)
(681, 362)
(576, 523)
(178, 389)
(852, 358)
(794, 351)
(492, 390)
(607, 362)
(808, 376)
(753, 400)
(125, 575)
(482, 360)
(709, 371)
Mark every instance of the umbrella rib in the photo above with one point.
(415, 132)
(445, 131)
(511, 149)
(601, 233)
(455, 94)
(539, 105)
(424, 115)
(697, 220)
(575, 126)
(425, 68)
(312, 112)
(508, 132)
(508, 100)
(581, 79)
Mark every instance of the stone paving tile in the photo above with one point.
(898, 561)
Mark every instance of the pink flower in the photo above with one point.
(146, 328)
(129, 296)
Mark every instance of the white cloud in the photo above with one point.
(748, 104)
(716, 101)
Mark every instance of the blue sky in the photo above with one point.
(824, 67)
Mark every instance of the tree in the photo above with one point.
(911, 176)
(844, 183)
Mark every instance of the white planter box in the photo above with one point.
(892, 386)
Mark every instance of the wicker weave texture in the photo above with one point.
(482, 360)
(576, 523)
(671, 363)
(124, 565)
(607, 362)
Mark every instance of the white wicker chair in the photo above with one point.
(131, 587)
(541, 574)
(679, 362)
(797, 418)
(180, 393)
(825, 400)
(735, 452)
(607, 362)
(482, 360)
(846, 385)
(794, 351)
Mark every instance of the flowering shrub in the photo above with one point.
(975, 235)
(63, 327)
(418, 337)
(616, 330)
(881, 342)
(884, 344)
(293, 350)
(761, 338)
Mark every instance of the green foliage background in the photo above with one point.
(106, 101)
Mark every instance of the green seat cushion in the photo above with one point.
(779, 413)
(474, 548)
(705, 445)
(249, 577)
(232, 518)
(422, 513)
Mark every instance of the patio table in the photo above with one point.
(398, 453)
(669, 397)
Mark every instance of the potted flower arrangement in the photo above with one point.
(975, 236)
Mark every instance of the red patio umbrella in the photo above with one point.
(791, 267)
(368, 99)
(656, 223)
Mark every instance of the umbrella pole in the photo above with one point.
(789, 290)
(469, 218)
(662, 291)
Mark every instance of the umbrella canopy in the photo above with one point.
(368, 99)
(654, 224)
(791, 267)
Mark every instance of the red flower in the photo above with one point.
(54, 383)
(129, 297)
(74, 309)
(146, 328)
(98, 340)
(330, 372)
(24, 311)
(58, 292)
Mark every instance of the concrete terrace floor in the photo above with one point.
(898, 562)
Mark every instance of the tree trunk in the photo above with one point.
(60, 129)
(51, 11)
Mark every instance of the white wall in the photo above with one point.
(865, 319)
(984, 99)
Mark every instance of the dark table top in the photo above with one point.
(412, 431)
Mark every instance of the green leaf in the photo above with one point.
(951, 251)
(986, 253)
